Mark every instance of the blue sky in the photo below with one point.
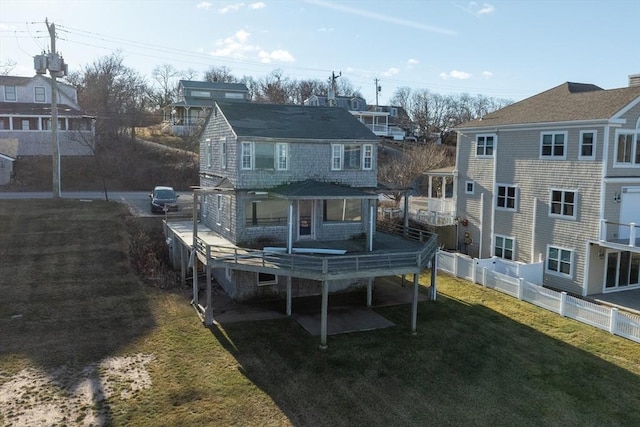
(503, 49)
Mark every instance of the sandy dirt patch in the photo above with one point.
(71, 396)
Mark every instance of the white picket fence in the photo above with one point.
(608, 318)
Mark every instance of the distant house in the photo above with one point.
(25, 115)
(195, 100)
(383, 121)
(288, 197)
(555, 178)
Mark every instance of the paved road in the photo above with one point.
(138, 201)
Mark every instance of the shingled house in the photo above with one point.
(287, 203)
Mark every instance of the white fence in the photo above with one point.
(484, 272)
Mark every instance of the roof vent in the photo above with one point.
(634, 80)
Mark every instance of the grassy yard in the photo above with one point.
(70, 300)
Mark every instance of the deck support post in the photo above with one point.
(183, 262)
(208, 312)
(369, 291)
(194, 251)
(323, 315)
(433, 290)
(288, 296)
(414, 305)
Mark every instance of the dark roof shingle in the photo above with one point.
(293, 122)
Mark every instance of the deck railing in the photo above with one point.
(327, 266)
(622, 234)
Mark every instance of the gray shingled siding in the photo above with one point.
(38, 143)
(519, 164)
(306, 162)
(250, 290)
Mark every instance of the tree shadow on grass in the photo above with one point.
(69, 296)
(468, 365)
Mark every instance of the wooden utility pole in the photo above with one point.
(378, 89)
(54, 71)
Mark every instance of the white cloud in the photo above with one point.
(276, 55)
(325, 30)
(231, 8)
(204, 5)
(477, 9)
(455, 74)
(412, 61)
(235, 46)
(390, 72)
(486, 9)
(258, 5)
(238, 46)
(487, 74)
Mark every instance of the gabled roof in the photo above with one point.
(23, 81)
(293, 122)
(192, 84)
(565, 103)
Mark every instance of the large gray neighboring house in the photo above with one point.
(555, 178)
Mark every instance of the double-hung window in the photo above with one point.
(628, 147)
(208, 154)
(504, 247)
(282, 156)
(223, 152)
(507, 197)
(39, 94)
(247, 155)
(10, 93)
(559, 261)
(563, 203)
(336, 157)
(485, 145)
(367, 157)
(587, 145)
(553, 145)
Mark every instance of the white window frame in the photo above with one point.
(10, 94)
(229, 207)
(563, 191)
(337, 156)
(246, 157)
(593, 146)
(507, 197)
(228, 273)
(504, 239)
(219, 209)
(559, 261)
(635, 147)
(282, 156)
(367, 156)
(554, 134)
(223, 152)
(44, 94)
(466, 187)
(207, 152)
(483, 147)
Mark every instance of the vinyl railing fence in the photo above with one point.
(608, 318)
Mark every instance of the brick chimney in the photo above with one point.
(634, 80)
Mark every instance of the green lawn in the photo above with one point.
(69, 298)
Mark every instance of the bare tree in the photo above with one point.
(116, 95)
(220, 75)
(401, 169)
(166, 77)
(274, 88)
(7, 66)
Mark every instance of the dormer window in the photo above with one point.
(39, 94)
(355, 104)
(10, 93)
